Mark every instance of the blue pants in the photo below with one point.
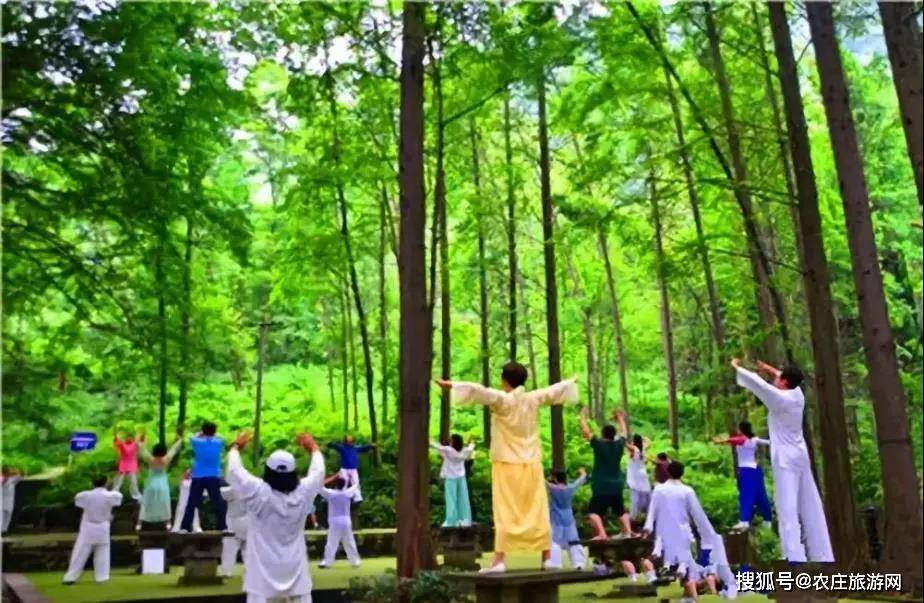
(212, 485)
(751, 492)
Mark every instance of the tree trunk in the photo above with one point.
(185, 326)
(482, 283)
(161, 279)
(843, 521)
(528, 332)
(715, 309)
(351, 350)
(330, 382)
(579, 295)
(258, 402)
(511, 235)
(383, 304)
(354, 280)
(903, 41)
(763, 272)
(903, 538)
(667, 337)
(413, 543)
(551, 285)
(344, 355)
(617, 323)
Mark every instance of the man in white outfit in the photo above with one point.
(238, 523)
(339, 522)
(798, 505)
(276, 557)
(93, 536)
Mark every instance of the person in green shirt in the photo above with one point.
(607, 480)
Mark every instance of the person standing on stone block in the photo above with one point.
(181, 502)
(155, 503)
(93, 536)
(128, 463)
(455, 487)
(564, 528)
(207, 447)
(349, 453)
(339, 523)
(276, 556)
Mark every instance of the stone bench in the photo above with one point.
(805, 596)
(201, 554)
(522, 586)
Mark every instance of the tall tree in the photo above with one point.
(903, 42)
(840, 508)
(667, 335)
(551, 283)
(513, 271)
(383, 303)
(413, 543)
(485, 348)
(617, 322)
(903, 537)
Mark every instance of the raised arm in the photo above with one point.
(767, 393)
(175, 448)
(621, 421)
(465, 392)
(580, 481)
(563, 392)
(143, 452)
(245, 485)
(314, 479)
(768, 369)
(585, 428)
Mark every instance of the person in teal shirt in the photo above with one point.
(607, 480)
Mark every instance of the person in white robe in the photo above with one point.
(93, 535)
(11, 477)
(182, 500)
(276, 557)
(672, 514)
(339, 522)
(238, 524)
(800, 515)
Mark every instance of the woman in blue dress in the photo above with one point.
(155, 502)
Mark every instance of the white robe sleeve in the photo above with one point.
(765, 392)
(762, 441)
(114, 498)
(468, 451)
(652, 512)
(465, 392)
(244, 484)
(562, 392)
(314, 479)
(80, 501)
(707, 533)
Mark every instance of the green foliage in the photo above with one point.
(426, 586)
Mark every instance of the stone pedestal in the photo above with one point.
(461, 547)
(125, 518)
(739, 548)
(201, 554)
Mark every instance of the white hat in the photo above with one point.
(281, 461)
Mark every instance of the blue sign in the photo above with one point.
(81, 441)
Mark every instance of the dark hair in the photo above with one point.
(338, 483)
(456, 442)
(281, 481)
(793, 376)
(745, 428)
(559, 477)
(514, 374)
(209, 428)
(100, 482)
(675, 469)
(662, 456)
(608, 432)
(159, 449)
(638, 442)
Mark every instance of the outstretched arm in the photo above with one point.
(314, 479)
(581, 479)
(562, 392)
(767, 393)
(465, 392)
(762, 441)
(245, 485)
(621, 420)
(768, 369)
(585, 428)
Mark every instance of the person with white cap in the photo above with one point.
(276, 557)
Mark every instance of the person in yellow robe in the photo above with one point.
(521, 507)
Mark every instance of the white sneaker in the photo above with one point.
(578, 568)
(634, 577)
(547, 565)
(651, 576)
(741, 525)
(500, 568)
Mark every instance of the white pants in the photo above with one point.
(799, 511)
(79, 556)
(252, 598)
(351, 476)
(639, 501)
(339, 532)
(575, 553)
(230, 545)
(7, 516)
(132, 484)
(181, 509)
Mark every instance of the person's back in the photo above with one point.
(338, 503)
(607, 477)
(97, 505)
(560, 504)
(784, 421)
(206, 455)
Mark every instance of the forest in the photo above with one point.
(293, 216)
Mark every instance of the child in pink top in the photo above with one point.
(128, 463)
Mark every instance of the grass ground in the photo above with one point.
(125, 585)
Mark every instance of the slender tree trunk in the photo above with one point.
(258, 402)
(578, 293)
(185, 325)
(528, 332)
(715, 309)
(353, 279)
(383, 304)
(344, 355)
(511, 235)
(843, 521)
(667, 337)
(413, 543)
(351, 349)
(617, 323)
(161, 278)
(903, 41)
(903, 538)
(551, 284)
(762, 271)
(330, 382)
(482, 282)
